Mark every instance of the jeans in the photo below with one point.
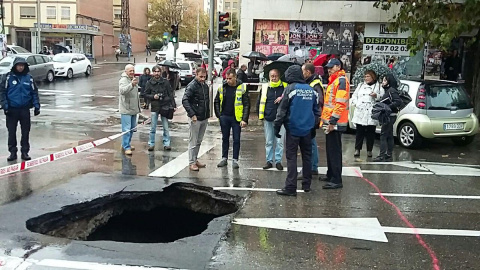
(292, 143)
(270, 139)
(153, 130)
(197, 131)
(386, 137)
(314, 155)
(14, 116)
(365, 132)
(129, 122)
(228, 123)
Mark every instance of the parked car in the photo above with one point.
(14, 49)
(140, 67)
(439, 109)
(187, 71)
(41, 68)
(71, 64)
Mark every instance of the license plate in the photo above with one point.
(453, 126)
(183, 79)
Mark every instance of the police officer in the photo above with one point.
(18, 94)
(299, 113)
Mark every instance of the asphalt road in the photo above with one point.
(434, 190)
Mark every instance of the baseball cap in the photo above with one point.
(333, 62)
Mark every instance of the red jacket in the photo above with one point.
(224, 73)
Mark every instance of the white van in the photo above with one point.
(166, 53)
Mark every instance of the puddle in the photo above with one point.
(180, 210)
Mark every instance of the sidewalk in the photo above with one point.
(139, 57)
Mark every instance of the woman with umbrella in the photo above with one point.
(364, 97)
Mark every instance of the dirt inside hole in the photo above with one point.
(180, 210)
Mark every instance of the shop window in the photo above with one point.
(51, 12)
(28, 12)
(227, 5)
(234, 5)
(117, 13)
(65, 13)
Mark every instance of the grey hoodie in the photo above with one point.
(129, 102)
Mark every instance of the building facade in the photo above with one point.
(233, 7)
(83, 26)
(206, 6)
(354, 30)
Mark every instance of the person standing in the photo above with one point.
(241, 75)
(231, 66)
(171, 77)
(270, 96)
(148, 49)
(161, 96)
(313, 80)
(299, 113)
(129, 49)
(196, 102)
(232, 107)
(392, 99)
(129, 105)
(335, 121)
(18, 94)
(146, 76)
(364, 97)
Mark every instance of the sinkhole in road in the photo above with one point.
(180, 210)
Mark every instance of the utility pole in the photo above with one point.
(198, 28)
(211, 50)
(39, 41)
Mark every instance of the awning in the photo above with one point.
(69, 31)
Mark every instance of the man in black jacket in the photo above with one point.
(232, 107)
(196, 102)
(241, 75)
(159, 92)
(18, 94)
(392, 99)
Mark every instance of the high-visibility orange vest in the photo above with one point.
(336, 100)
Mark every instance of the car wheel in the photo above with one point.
(50, 77)
(70, 74)
(462, 141)
(408, 136)
(88, 72)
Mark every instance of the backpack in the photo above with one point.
(405, 97)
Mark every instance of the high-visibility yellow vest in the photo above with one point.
(263, 99)
(238, 101)
(315, 82)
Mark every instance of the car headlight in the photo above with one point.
(61, 68)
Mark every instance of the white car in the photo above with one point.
(71, 64)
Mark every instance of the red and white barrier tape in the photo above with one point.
(25, 165)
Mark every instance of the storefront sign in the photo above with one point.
(92, 28)
(380, 41)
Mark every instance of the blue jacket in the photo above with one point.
(298, 109)
(18, 90)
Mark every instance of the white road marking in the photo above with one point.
(347, 171)
(176, 165)
(112, 109)
(21, 264)
(53, 91)
(89, 107)
(44, 105)
(466, 197)
(87, 95)
(66, 111)
(394, 172)
(64, 106)
(47, 94)
(67, 95)
(251, 189)
(356, 228)
(108, 96)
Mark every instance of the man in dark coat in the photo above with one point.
(241, 75)
(18, 94)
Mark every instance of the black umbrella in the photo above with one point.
(292, 58)
(169, 63)
(281, 66)
(256, 56)
(275, 56)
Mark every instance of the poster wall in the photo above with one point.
(345, 45)
(330, 39)
(271, 37)
(297, 38)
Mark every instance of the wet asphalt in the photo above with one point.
(84, 109)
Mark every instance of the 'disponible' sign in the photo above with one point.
(379, 40)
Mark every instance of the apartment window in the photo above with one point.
(227, 5)
(51, 12)
(66, 13)
(27, 12)
(234, 5)
(117, 14)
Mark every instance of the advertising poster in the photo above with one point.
(297, 38)
(271, 37)
(346, 45)
(380, 42)
(331, 36)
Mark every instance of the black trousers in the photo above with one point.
(14, 116)
(334, 156)
(363, 132)
(292, 144)
(386, 137)
(228, 123)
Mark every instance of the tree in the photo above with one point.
(438, 22)
(163, 13)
